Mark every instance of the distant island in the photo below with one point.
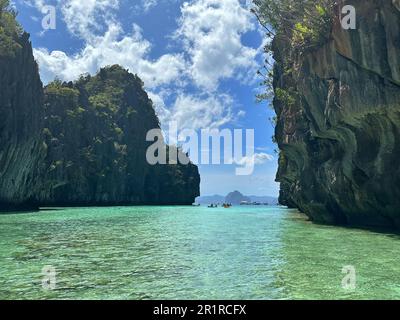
(237, 198)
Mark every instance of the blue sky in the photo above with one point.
(198, 60)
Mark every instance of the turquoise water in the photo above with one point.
(191, 253)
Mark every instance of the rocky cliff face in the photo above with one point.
(21, 101)
(80, 143)
(340, 135)
(95, 131)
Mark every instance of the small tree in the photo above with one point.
(4, 4)
(304, 23)
(298, 26)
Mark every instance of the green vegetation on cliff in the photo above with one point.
(21, 115)
(10, 30)
(337, 104)
(95, 134)
(77, 143)
(297, 27)
(304, 24)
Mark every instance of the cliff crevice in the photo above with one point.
(339, 133)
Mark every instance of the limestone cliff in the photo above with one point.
(338, 117)
(95, 131)
(21, 117)
(80, 143)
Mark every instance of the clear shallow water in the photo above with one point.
(191, 253)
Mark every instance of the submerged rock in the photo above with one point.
(339, 138)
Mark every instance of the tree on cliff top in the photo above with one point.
(4, 4)
(299, 26)
(304, 22)
(10, 30)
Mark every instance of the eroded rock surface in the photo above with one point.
(340, 141)
(21, 118)
(78, 143)
(95, 132)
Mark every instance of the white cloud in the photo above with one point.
(256, 159)
(211, 32)
(194, 111)
(148, 4)
(241, 113)
(145, 6)
(212, 50)
(38, 4)
(197, 112)
(129, 51)
(81, 17)
(158, 98)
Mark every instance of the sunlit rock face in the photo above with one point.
(21, 118)
(95, 133)
(78, 143)
(340, 141)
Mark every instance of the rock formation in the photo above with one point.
(236, 198)
(338, 118)
(95, 132)
(78, 143)
(21, 117)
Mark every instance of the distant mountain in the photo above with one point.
(236, 198)
(210, 199)
(221, 199)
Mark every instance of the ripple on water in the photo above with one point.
(191, 253)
